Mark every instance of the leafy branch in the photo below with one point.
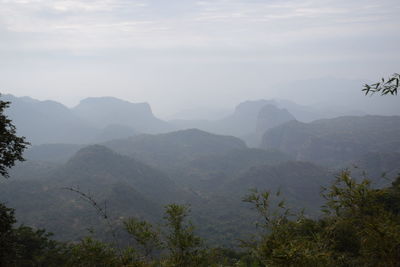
(385, 87)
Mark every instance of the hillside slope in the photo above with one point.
(335, 141)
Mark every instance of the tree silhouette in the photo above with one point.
(11, 145)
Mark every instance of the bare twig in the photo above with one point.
(101, 211)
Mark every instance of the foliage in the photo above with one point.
(11, 145)
(25, 246)
(92, 253)
(178, 240)
(385, 87)
(7, 244)
(361, 227)
(144, 234)
(182, 243)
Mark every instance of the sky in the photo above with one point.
(186, 54)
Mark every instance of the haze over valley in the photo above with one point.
(199, 133)
(123, 154)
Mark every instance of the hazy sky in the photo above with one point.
(177, 54)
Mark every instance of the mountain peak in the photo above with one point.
(93, 153)
(107, 100)
(252, 107)
(104, 111)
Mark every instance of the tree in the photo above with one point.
(91, 253)
(179, 239)
(385, 87)
(25, 246)
(7, 240)
(145, 235)
(182, 243)
(11, 145)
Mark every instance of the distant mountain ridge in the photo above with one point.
(247, 121)
(47, 121)
(104, 111)
(250, 119)
(98, 119)
(93, 120)
(174, 148)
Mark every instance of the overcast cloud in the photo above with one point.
(178, 54)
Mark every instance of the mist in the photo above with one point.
(199, 133)
(199, 54)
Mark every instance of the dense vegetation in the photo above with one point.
(360, 227)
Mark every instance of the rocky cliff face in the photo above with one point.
(104, 111)
(271, 116)
(93, 120)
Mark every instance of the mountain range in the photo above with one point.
(137, 176)
(99, 119)
(135, 164)
(93, 120)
